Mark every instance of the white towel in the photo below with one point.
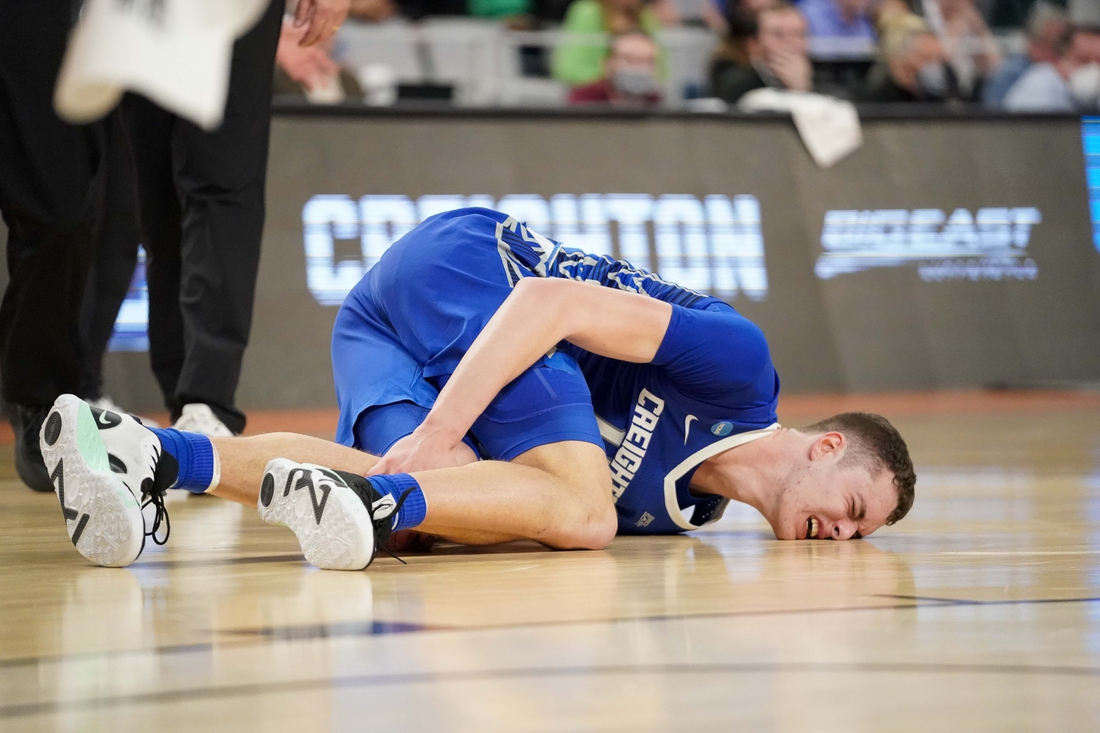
(829, 127)
(176, 52)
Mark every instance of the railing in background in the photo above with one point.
(490, 65)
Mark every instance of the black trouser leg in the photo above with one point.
(49, 199)
(149, 130)
(114, 261)
(220, 177)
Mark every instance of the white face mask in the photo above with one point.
(932, 80)
(635, 82)
(1084, 84)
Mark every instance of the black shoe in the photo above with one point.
(26, 422)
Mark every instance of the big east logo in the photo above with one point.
(989, 245)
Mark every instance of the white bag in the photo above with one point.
(176, 52)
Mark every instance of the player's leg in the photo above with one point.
(243, 460)
(558, 494)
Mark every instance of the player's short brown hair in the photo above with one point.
(878, 444)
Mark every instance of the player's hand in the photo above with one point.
(321, 18)
(422, 451)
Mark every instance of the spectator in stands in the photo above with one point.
(777, 56)
(839, 19)
(914, 66)
(630, 77)
(970, 48)
(736, 21)
(579, 60)
(1070, 84)
(1048, 33)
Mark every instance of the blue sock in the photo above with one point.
(414, 509)
(194, 456)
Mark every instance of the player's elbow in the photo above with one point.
(543, 295)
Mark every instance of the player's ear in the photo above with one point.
(827, 445)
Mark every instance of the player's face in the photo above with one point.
(826, 499)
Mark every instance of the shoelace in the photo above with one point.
(382, 534)
(156, 498)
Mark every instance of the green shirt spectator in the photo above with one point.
(579, 61)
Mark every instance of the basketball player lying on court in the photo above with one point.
(515, 388)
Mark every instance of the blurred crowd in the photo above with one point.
(1017, 55)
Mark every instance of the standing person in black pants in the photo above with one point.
(113, 262)
(49, 198)
(201, 200)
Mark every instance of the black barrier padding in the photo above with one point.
(880, 328)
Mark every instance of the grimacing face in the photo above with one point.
(828, 498)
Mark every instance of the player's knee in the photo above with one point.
(583, 517)
(602, 529)
(586, 525)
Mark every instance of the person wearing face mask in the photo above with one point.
(777, 57)
(630, 74)
(579, 58)
(1070, 84)
(1047, 28)
(913, 69)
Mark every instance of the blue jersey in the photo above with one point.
(710, 387)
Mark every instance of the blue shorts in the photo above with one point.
(403, 329)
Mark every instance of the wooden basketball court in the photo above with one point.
(980, 611)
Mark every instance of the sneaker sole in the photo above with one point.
(102, 515)
(343, 539)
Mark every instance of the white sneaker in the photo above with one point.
(199, 418)
(106, 403)
(101, 464)
(332, 523)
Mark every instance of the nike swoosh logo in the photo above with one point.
(103, 419)
(383, 507)
(687, 427)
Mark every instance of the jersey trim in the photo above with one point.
(672, 505)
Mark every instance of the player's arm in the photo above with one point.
(533, 319)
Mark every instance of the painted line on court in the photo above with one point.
(496, 675)
(993, 602)
(312, 631)
(238, 638)
(1022, 552)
